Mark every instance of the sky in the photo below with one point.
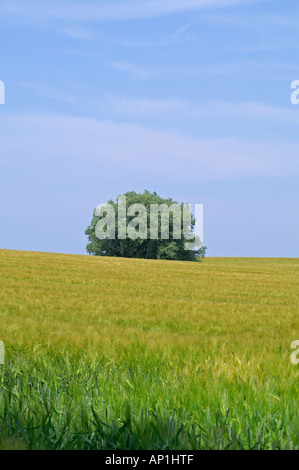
(189, 98)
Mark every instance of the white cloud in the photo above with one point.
(250, 21)
(181, 30)
(104, 10)
(49, 93)
(126, 107)
(178, 36)
(134, 107)
(270, 70)
(77, 33)
(126, 149)
(135, 71)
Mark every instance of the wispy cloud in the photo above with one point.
(103, 10)
(250, 21)
(136, 107)
(135, 71)
(49, 92)
(181, 31)
(257, 111)
(76, 33)
(265, 68)
(268, 69)
(125, 148)
(178, 36)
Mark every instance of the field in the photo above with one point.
(111, 353)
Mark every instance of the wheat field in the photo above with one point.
(114, 353)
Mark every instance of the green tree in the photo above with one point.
(171, 248)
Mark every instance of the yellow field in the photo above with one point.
(197, 339)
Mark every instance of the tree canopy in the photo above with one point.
(140, 229)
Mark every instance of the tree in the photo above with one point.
(159, 231)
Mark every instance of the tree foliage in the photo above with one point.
(170, 248)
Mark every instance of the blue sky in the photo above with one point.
(190, 98)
